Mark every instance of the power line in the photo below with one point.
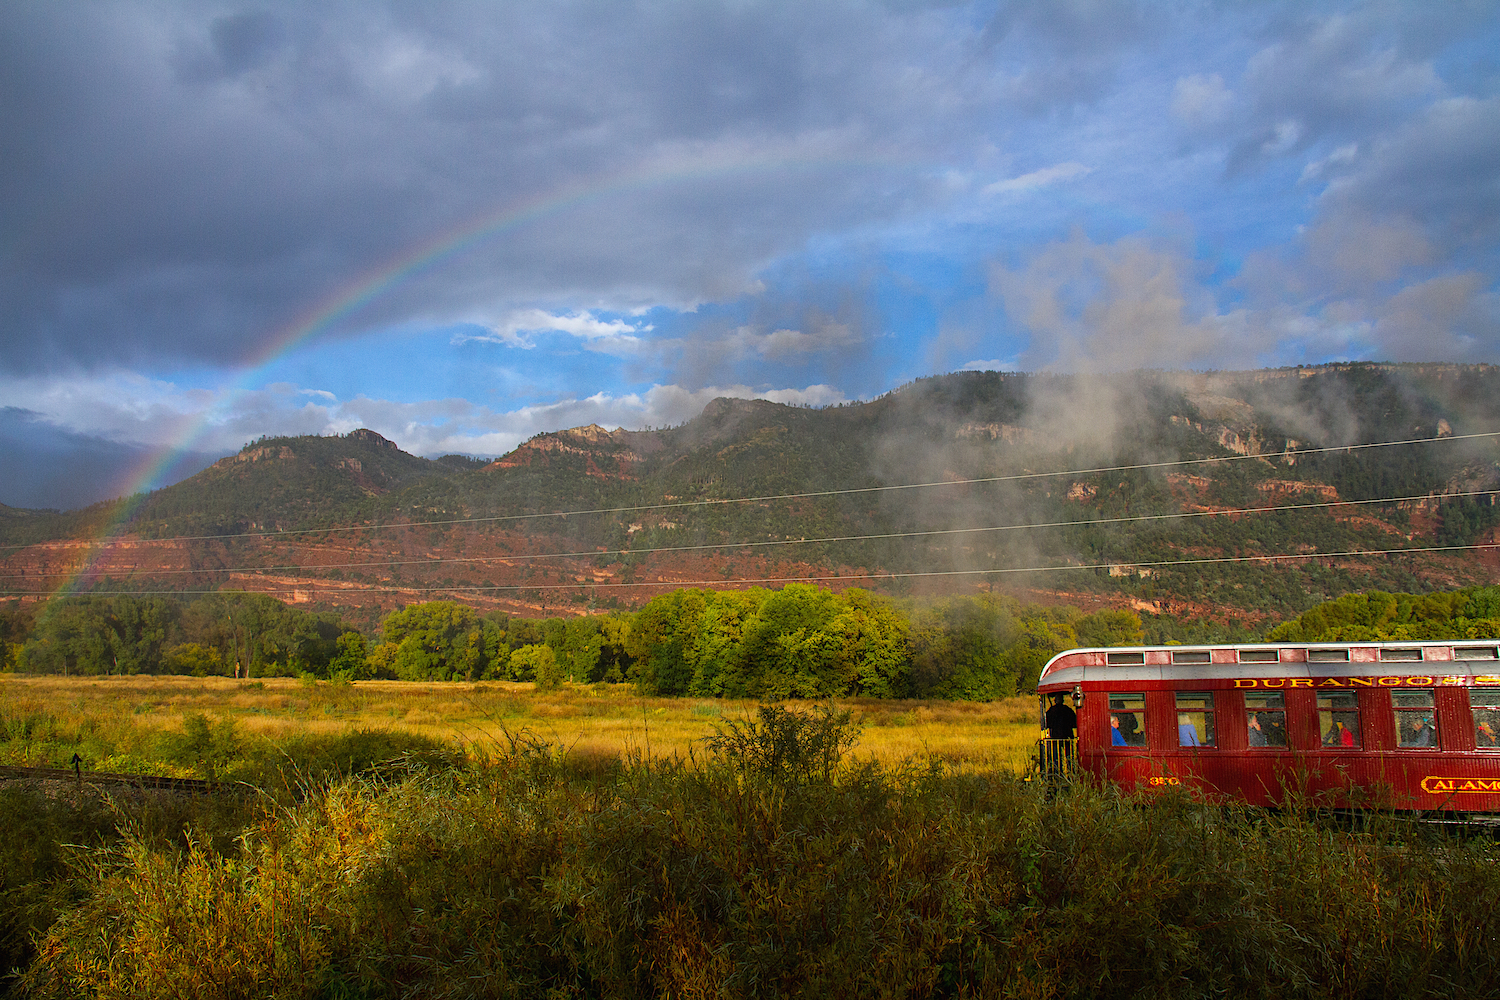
(1018, 477)
(711, 546)
(841, 578)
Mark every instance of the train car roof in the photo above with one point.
(1212, 661)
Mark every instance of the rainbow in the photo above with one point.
(424, 256)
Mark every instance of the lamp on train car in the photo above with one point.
(1077, 695)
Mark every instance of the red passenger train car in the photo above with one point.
(1410, 725)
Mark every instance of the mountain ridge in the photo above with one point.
(1058, 457)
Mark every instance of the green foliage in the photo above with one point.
(1471, 613)
(524, 661)
(1110, 628)
(210, 748)
(786, 747)
(16, 623)
(801, 641)
(194, 659)
(100, 635)
(353, 659)
(242, 634)
(1464, 519)
(439, 640)
(536, 663)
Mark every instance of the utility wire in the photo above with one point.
(1018, 477)
(711, 546)
(842, 578)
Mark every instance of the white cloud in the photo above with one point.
(1344, 154)
(781, 344)
(993, 365)
(1038, 179)
(585, 325)
(1200, 100)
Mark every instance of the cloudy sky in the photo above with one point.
(463, 223)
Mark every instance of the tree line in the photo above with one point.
(800, 641)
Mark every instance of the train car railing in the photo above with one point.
(1056, 759)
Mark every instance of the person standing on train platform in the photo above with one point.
(1061, 720)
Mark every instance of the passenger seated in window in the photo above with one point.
(1187, 733)
(1485, 736)
(1339, 736)
(1116, 738)
(1421, 734)
(1130, 730)
(1257, 735)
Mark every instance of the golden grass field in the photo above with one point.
(127, 714)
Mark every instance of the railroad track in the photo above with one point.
(158, 781)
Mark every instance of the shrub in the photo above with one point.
(785, 746)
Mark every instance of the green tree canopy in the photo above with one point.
(439, 640)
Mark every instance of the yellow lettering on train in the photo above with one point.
(1274, 682)
(1361, 681)
(1245, 682)
(1419, 681)
(1437, 785)
(1300, 682)
(1450, 680)
(1388, 681)
(1331, 682)
(1486, 679)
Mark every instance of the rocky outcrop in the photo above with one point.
(366, 436)
(607, 454)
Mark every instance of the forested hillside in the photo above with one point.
(1146, 490)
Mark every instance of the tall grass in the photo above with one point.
(743, 870)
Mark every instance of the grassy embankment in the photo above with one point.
(118, 723)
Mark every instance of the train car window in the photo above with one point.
(1265, 719)
(1195, 718)
(1124, 659)
(1327, 656)
(1401, 654)
(1338, 719)
(1416, 719)
(1260, 656)
(1486, 706)
(1190, 656)
(1127, 720)
(1475, 653)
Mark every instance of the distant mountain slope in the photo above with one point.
(1038, 435)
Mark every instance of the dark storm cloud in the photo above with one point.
(183, 179)
(49, 467)
(179, 181)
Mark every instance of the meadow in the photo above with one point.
(118, 723)
(455, 840)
